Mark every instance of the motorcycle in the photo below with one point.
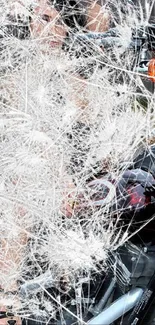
(125, 293)
(141, 44)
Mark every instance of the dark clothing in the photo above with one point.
(79, 141)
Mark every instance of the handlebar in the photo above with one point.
(108, 41)
(113, 38)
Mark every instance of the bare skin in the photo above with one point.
(10, 256)
(47, 25)
(97, 18)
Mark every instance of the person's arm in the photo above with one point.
(11, 256)
(98, 18)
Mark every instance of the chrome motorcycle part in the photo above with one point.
(118, 308)
(99, 307)
(43, 281)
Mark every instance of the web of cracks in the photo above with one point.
(66, 116)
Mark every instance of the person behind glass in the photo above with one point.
(49, 23)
